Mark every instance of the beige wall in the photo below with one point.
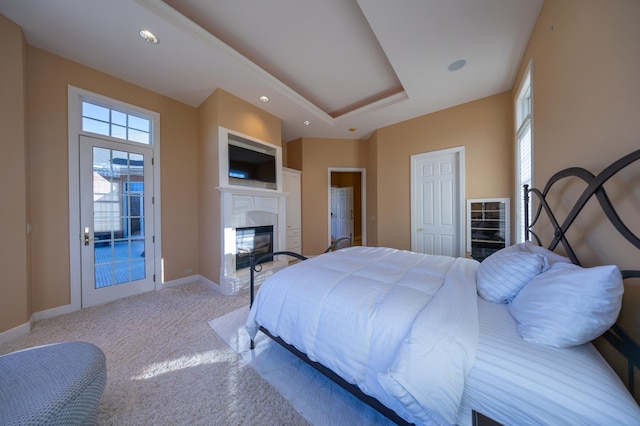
(585, 97)
(225, 110)
(318, 155)
(293, 154)
(483, 127)
(586, 58)
(372, 190)
(14, 192)
(49, 76)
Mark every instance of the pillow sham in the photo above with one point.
(500, 276)
(568, 305)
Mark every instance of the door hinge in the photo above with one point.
(153, 200)
(152, 161)
(153, 239)
(154, 278)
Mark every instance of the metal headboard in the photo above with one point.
(616, 336)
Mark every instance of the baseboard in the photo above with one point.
(213, 286)
(53, 312)
(25, 328)
(14, 333)
(180, 281)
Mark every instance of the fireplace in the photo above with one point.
(253, 239)
(244, 213)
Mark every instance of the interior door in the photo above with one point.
(117, 251)
(435, 204)
(343, 212)
(334, 217)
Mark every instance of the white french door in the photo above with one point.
(116, 219)
(437, 215)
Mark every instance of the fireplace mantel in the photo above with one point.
(244, 207)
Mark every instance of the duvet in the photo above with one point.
(402, 326)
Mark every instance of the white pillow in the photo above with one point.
(501, 276)
(568, 305)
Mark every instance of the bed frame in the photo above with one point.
(616, 336)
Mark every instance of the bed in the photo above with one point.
(435, 340)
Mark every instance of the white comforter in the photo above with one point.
(402, 326)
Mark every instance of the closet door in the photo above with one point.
(291, 180)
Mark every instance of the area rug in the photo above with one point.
(315, 397)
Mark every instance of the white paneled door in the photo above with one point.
(436, 203)
(342, 215)
(116, 214)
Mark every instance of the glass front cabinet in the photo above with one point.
(487, 226)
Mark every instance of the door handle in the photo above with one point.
(87, 239)
(420, 229)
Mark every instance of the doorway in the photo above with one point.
(114, 199)
(347, 205)
(437, 202)
(116, 220)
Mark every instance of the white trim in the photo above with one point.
(74, 97)
(212, 285)
(15, 332)
(181, 281)
(363, 200)
(223, 157)
(459, 153)
(507, 225)
(527, 78)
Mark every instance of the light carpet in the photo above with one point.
(314, 396)
(164, 365)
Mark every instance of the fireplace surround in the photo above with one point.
(243, 208)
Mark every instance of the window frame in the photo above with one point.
(120, 108)
(523, 123)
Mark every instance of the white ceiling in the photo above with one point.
(341, 64)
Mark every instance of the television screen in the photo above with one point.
(251, 165)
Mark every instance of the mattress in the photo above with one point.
(519, 383)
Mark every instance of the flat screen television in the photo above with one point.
(251, 168)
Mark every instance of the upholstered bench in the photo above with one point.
(58, 384)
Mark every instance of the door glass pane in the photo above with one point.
(118, 194)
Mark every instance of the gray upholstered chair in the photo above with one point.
(58, 384)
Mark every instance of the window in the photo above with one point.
(524, 148)
(117, 124)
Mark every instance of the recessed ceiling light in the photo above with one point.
(455, 66)
(148, 36)
(306, 122)
(264, 99)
